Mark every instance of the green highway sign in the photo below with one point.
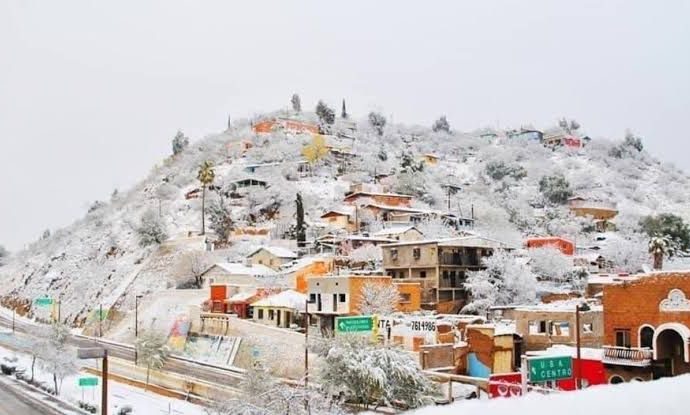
(544, 369)
(354, 324)
(43, 301)
(88, 381)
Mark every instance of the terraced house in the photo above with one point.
(439, 266)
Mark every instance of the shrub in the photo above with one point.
(555, 188)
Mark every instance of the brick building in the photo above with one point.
(647, 327)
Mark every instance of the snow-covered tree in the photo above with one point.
(343, 111)
(179, 143)
(325, 113)
(441, 125)
(56, 357)
(152, 350)
(627, 253)
(659, 247)
(296, 103)
(379, 299)
(220, 219)
(633, 141)
(195, 264)
(371, 375)
(435, 228)
(377, 122)
(506, 280)
(549, 263)
(205, 175)
(315, 151)
(300, 225)
(151, 229)
(670, 226)
(497, 170)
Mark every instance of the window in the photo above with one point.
(646, 337)
(537, 327)
(405, 298)
(622, 337)
(416, 253)
(312, 297)
(422, 274)
(587, 328)
(271, 314)
(261, 262)
(394, 254)
(445, 275)
(560, 328)
(341, 298)
(402, 274)
(261, 314)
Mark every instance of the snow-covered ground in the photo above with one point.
(143, 403)
(666, 396)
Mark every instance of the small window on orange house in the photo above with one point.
(405, 297)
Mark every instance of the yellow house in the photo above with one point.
(281, 310)
(271, 256)
(341, 218)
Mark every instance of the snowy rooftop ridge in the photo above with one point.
(242, 269)
(471, 240)
(278, 251)
(285, 299)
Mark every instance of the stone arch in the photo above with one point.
(682, 330)
(646, 335)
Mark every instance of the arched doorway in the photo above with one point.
(647, 337)
(670, 353)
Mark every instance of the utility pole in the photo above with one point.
(104, 391)
(578, 378)
(306, 353)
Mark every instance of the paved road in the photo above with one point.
(229, 377)
(14, 402)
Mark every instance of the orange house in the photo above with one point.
(317, 268)
(390, 199)
(566, 246)
(288, 125)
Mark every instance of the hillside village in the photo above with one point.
(465, 250)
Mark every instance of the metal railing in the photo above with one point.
(627, 356)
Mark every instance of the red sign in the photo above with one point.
(505, 385)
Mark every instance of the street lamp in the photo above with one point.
(578, 374)
(136, 324)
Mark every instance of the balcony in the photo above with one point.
(624, 356)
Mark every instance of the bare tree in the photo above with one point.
(197, 263)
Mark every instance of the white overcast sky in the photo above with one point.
(91, 92)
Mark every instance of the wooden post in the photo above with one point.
(578, 375)
(104, 390)
(100, 320)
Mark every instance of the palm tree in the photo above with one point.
(205, 176)
(659, 246)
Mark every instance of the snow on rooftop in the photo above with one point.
(242, 296)
(278, 251)
(286, 299)
(501, 328)
(470, 241)
(396, 230)
(668, 396)
(241, 269)
(560, 306)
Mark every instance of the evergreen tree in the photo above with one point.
(300, 231)
(296, 103)
(670, 226)
(179, 142)
(229, 122)
(377, 122)
(343, 112)
(441, 125)
(3, 254)
(325, 113)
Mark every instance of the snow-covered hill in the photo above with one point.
(99, 259)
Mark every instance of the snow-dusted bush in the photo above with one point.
(151, 229)
(4, 253)
(371, 375)
(506, 280)
(368, 253)
(555, 189)
(55, 356)
(435, 228)
(220, 219)
(325, 113)
(497, 170)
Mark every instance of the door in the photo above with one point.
(279, 314)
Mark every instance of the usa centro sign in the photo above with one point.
(544, 369)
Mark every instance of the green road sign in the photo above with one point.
(544, 369)
(88, 381)
(43, 301)
(354, 324)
